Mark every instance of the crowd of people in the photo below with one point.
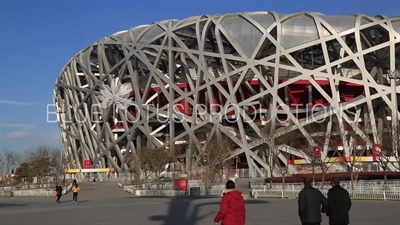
(312, 205)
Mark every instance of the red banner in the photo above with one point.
(87, 164)
(316, 152)
(376, 149)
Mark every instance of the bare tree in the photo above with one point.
(41, 161)
(277, 138)
(57, 159)
(396, 149)
(44, 163)
(26, 169)
(325, 152)
(389, 148)
(317, 133)
(326, 164)
(272, 152)
(2, 169)
(357, 149)
(153, 161)
(11, 159)
(212, 160)
(1, 162)
(136, 172)
(283, 172)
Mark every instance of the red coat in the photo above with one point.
(232, 210)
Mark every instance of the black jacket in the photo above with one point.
(59, 190)
(339, 204)
(311, 203)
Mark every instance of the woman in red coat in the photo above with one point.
(232, 210)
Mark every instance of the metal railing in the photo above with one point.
(372, 185)
(368, 194)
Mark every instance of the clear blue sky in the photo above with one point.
(38, 37)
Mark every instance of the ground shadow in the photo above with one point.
(6, 205)
(9, 205)
(186, 211)
(67, 201)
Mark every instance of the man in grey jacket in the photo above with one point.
(339, 204)
(312, 204)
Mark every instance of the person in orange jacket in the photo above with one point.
(75, 190)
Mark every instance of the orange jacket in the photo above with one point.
(75, 189)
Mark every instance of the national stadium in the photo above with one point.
(332, 80)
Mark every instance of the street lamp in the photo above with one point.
(237, 162)
(316, 158)
(394, 76)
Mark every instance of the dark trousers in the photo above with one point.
(75, 196)
(58, 197)
(310, 223)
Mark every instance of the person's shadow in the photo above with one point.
(179, 213)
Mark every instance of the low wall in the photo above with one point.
(216, 190)
(168, 193)
(35, 192)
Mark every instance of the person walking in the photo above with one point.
(339, 204)
(75, 190)
(232, 209)
(58, 190)
(312, 204)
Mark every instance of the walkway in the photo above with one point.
(103, 190)
(106, 204)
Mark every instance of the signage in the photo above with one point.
(376, 151)
(316, 152)
(87, 164)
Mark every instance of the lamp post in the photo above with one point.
(284, 171)
(237, 161)
(316, 157)
(394, 76)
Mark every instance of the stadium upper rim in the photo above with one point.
(141, 30)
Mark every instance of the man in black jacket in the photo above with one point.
(339, 204)
(312, 204)
(58, 192)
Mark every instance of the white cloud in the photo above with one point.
(18, 126)
(12, 102)
(56, 136)
(19, 134)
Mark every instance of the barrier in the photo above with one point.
(361, 195)
(392, 185)
(151, 190)
(37, 192)
(158, 193)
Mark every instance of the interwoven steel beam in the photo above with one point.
(158, 84)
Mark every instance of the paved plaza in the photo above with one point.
(106, 204)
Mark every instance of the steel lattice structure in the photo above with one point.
(262, 63)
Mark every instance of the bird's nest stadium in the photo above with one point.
(171, 82)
